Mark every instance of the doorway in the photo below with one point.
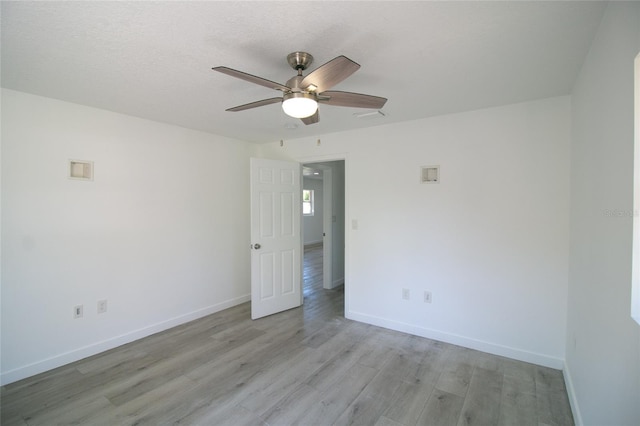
(323, 227)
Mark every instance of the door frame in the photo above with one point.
(347, 229)
(327, 228)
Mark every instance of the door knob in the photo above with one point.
(257, 246)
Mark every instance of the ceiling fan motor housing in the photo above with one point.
(294, 84)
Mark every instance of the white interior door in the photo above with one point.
(276, 240)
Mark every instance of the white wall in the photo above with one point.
(161, 232)
(490, 241)
(603, 342)
(312, 225)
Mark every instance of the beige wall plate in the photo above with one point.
(430, 174)
(79, 169)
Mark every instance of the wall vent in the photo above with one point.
(430, 174)
(82, 170)
(369, 115)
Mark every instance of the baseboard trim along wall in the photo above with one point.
(492, 348)
(337, 282)
(573, 399)
(105, 345)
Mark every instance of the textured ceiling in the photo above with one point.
(154, 59)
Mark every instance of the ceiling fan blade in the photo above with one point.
(256, 104)
(350, 99)
(252, 78)
(312, 119)
(328, 75)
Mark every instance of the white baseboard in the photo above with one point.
(97, 347)
(336, 283)
(492, 348)
(312, 243)
(571, 392)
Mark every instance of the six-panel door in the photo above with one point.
(276, 243)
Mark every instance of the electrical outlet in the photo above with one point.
(427, 297)
(102, 306)
(406, 294)
(77, 311)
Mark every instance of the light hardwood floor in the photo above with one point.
(307, 366)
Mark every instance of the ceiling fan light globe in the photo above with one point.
(299, 105)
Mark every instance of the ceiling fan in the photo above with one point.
(301, 94)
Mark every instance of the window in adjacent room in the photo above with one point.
(307, 202)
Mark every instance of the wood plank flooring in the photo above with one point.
(306, 366)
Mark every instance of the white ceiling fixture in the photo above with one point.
(313, 170)
(302, 94)
(299, 105)
(153, 59)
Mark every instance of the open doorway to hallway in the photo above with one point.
(323, 228)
